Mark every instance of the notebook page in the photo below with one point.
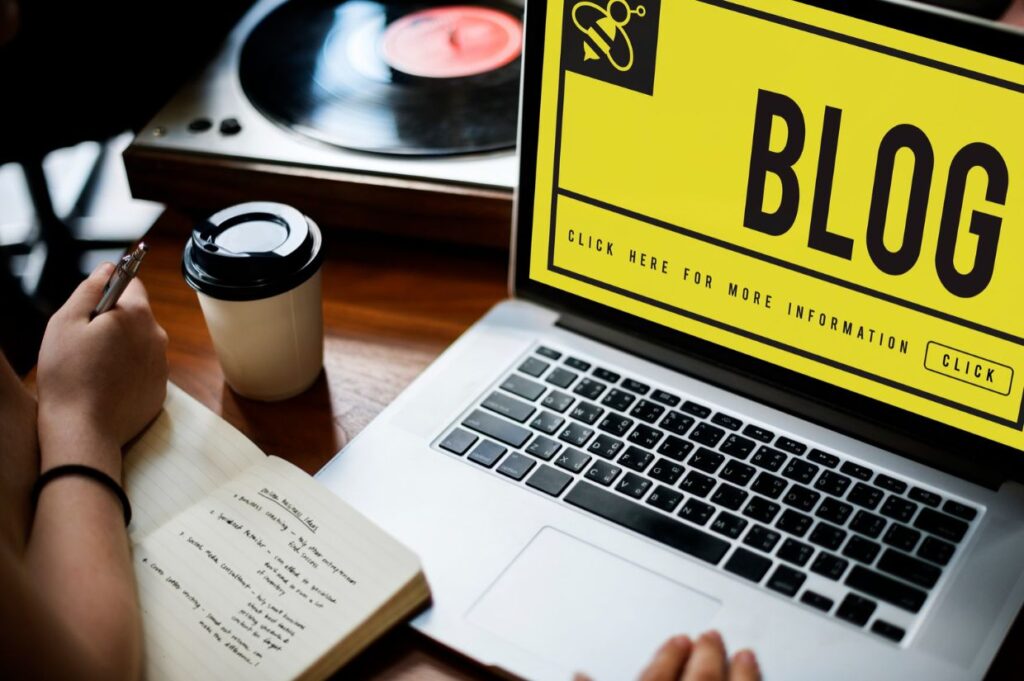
(183, 456)
(261, 578)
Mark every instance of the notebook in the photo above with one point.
(246, 566)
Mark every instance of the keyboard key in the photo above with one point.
(868, 524)
(615, 424)
(738, 446)
(860, 549)
(832, 483)
(925, 497)
(726, 421)
(898, 508)
(606, 375)
(730, 497)
(865, 495)
(706, 460)
(761, 509)
(697, 512)
(563, 378)
(497, 428)
(586, 412)
(886, 589)
(618, 399)
(942, 525)
(649, 523)
(766, 457)
(634, 485)
(546, 422)
(665, 498)
(748, 564)
(558, 401)
(795, 552)
(786, 580)
(576, 434)
(794, 523)
(834, 511)
(543, 448)
(960, 510)
(891, 484)
(575, 363)
(636, 459)
(790, 446)
(827, 536)
(549, 480)
(829, 566)
(636, 386)
(533, 366)
(647, 411)
(769, 485)
(801, 498)
(508, 406)
(816, 600)
(856, 610)
(936, 550)
(761, 538)
(549, 353)
(889, 631)
(675, 448)
(458, 441)
(694, 409)
(697, 484)
(665, 398)
(707, 434)
(645, 436)
(737, 473)
(824, 458)
(759, 433)
(516, 466)
(677, 423)
(486, 453)
(901, 537)
(856, 470)
(572, 460)
(666, 471)
(603, 473)
(589, 388)
(728, 524)
(800, 471)
(523, 387)
(909, 568)
(605, 446)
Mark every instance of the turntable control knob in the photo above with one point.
(230, 126)
(200, 125)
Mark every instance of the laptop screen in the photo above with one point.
(835, 197)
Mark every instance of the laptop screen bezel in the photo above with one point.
(844, 410)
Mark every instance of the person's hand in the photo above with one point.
(680, 659)
(103, 379)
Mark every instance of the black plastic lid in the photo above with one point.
(252, 251)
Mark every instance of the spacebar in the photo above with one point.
(647, 522)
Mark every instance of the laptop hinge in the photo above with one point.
(802, 406)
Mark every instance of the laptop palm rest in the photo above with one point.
(564, 599)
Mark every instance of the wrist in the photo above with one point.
(74, 437)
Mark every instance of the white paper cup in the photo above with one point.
(256, 270)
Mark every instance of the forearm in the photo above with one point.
(19, 458)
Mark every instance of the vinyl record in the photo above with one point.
(393, 77)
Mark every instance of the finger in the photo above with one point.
(669, 660)
(744, 667)
(707, 661)
(84, 298)
(134, 295)
(579, 676)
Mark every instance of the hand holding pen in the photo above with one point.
(124, 272)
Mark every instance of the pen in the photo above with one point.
(125, 271)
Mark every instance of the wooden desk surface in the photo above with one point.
(390, 307)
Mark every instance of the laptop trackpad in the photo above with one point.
(582, 607)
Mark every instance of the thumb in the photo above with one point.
(84, 298)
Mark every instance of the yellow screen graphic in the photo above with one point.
(832, 196)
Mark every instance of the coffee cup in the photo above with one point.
(256, 270)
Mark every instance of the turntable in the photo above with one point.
(372, 114)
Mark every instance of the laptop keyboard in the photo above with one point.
(834, 535)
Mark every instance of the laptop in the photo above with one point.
(760, 370)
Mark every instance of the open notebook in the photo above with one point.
(246, 566)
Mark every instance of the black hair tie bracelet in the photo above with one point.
(87, 472)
